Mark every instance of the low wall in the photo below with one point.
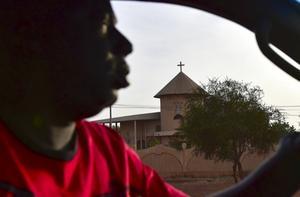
(169, 162)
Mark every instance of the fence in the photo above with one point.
(169, 162)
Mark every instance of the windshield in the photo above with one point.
(208, 46)
(168, 39)
(297, 1)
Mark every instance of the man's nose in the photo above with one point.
(122, 46)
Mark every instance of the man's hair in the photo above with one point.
(29, 26)
(29, 19)
(22, 22)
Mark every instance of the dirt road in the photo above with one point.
(204, 187)
(201, 187)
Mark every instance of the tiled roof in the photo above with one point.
(149, 116)
(180, 84)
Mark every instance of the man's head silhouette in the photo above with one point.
(60, 59)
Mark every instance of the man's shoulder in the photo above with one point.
(99, 132)
(97, 127)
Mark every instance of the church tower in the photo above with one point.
(173, 98)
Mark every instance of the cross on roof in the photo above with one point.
(180, 65)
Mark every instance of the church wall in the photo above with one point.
(170, 106)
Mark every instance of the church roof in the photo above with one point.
(180, 84)
(149, 116)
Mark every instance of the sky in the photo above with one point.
(163, 35)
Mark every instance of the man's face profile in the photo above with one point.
(76, 52)
(97, 67)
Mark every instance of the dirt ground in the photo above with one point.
(198, 187)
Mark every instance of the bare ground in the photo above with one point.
(198, 187)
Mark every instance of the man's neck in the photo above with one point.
(48, 137)
(38, 132)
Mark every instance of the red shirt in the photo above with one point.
(103, 165)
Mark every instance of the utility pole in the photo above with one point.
(299, 122)
(110, 117)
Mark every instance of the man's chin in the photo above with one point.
(94, 109)
(113, 98)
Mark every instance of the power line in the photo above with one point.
(286, 106)
(286, 114)
(278, 106)
(289, 108)
(135, 106)
(284, 109)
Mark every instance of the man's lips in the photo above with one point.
(120, 82)
(119, 75)
(118, 71)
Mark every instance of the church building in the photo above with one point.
(143, 130)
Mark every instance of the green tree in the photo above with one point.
(177, 140)
(153, 142)
(229, 120)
